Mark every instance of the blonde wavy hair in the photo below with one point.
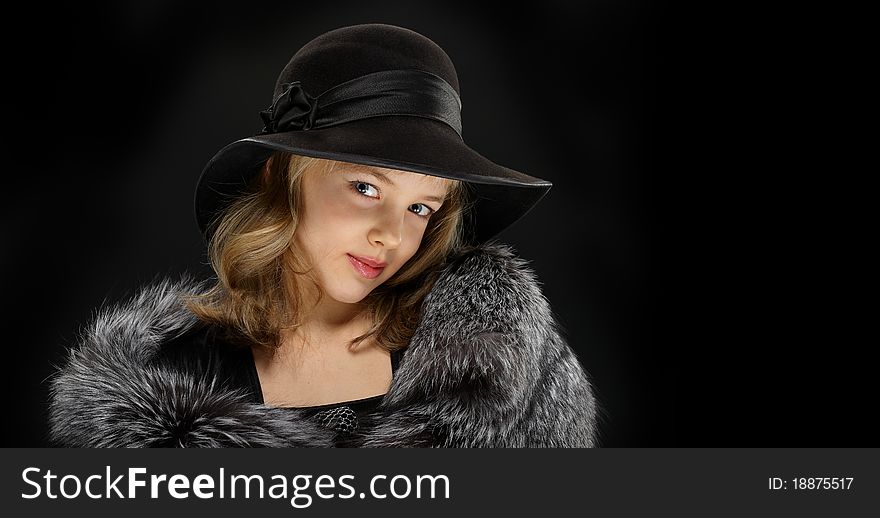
(253, 254)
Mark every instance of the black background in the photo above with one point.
(673, 301)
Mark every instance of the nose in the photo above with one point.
(388, 231)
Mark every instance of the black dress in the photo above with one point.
(205, 348)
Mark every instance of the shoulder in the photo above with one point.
(488, 285)
(143, 370)
(485, 320)
(487, 364)
(133, 329)
(131, 338)
(191, 348)
(487, 255)
(478, 268)
(207, 351)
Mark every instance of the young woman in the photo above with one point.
(358, 299)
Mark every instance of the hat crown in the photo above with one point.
(346, 53)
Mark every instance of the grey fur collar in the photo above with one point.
(485, 368)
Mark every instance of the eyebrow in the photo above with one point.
(387, 181)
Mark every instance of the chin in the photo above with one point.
(351, 290)
(348, 294)
(349, 298)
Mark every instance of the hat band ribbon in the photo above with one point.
(389, 92)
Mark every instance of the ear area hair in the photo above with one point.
(266, 168)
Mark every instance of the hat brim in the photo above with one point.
(406, 143)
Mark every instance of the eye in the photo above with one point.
(420, 207)
(364, 188)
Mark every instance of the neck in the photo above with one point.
(328, 323)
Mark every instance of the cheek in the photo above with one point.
(409, 247)
(330, 217)
(412, 244)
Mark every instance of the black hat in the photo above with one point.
(378, 95)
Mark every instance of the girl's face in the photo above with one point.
(365, 212)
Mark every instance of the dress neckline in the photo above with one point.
(352, 403)
(257, 389)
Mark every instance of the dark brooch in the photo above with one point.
(294, 109)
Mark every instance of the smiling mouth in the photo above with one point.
(364, 269)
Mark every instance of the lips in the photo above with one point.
(366, 270)
(370, 262)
